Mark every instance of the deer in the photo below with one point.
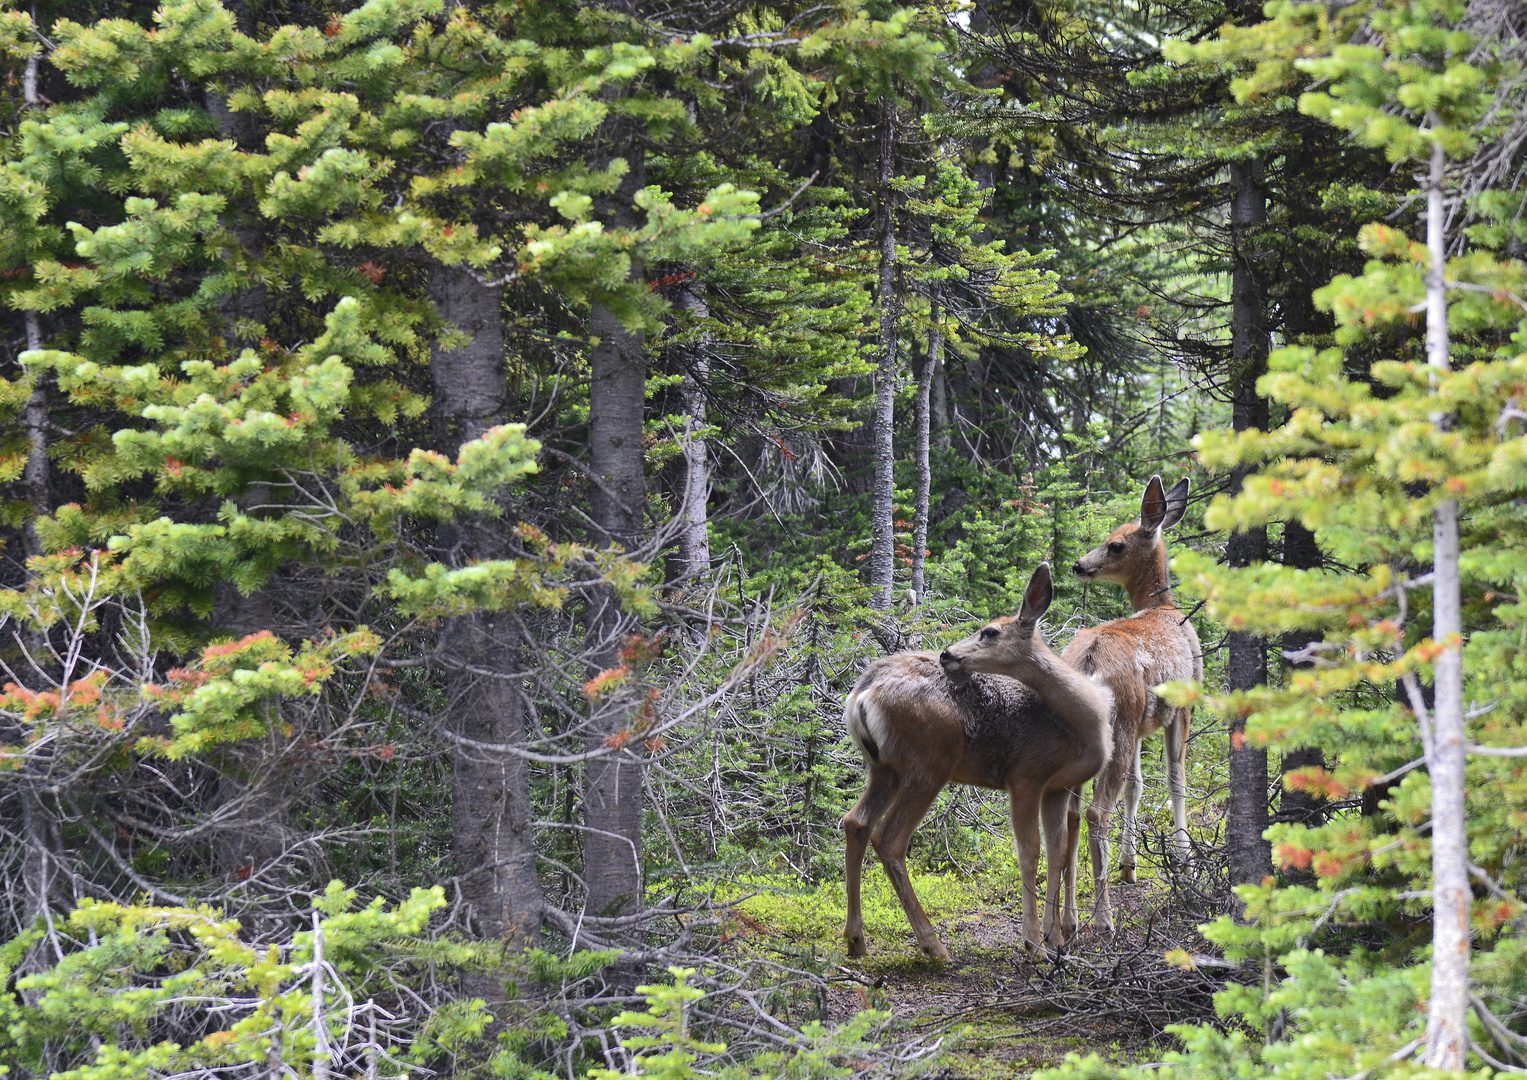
(1040, 729)
(1131, 656)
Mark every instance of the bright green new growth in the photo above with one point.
(1365, 456)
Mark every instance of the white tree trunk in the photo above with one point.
(922, 422)
(1447, 1036)
(694, 536)
(882, 517)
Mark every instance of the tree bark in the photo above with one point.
(1301, 807)
(693, 562)
(1250, 855)
(924, 469)
(882, 520)
(36, 483)
(37, 826)
(1300, 551)
(1447, 1035)
(613, 795)
(491, 815)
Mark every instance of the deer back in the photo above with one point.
(985, 730)
(1134, 655)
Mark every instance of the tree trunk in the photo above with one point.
(491, 816)
(1301, 552)
(1302, 807)
(941, 418)
(693, 561)
(1447, 1035)
(613, 796)
(1250, 855)
(882, 519)
(924, 470)
(37, 826)
(35, 480)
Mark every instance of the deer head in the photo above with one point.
(1136, 547)
(1006, 644)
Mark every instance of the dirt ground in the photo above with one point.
(1008, 1014)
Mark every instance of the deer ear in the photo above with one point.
(1153, 505)
(1176, 504)
(1037, 596)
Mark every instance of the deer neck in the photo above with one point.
(1079, 702)
(1151, 587)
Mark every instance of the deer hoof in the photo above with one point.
(936, 952)
(1127, 874)
(856, 946)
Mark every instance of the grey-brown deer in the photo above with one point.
(1131, 656)
(1040, 730)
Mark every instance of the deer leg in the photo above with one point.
(891, 841)
(858, 823)
(1176, 737)
(1134, 784)
(1105, 795)
(1024, 811)
(1073, 846)
(1053, 806)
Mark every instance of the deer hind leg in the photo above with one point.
(858, 823)
(1023, 807)
(1134, 784)
(891, 841)
(1105, 796)
(1060, 915)
(1176, 736)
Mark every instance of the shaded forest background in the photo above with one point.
(458, 456)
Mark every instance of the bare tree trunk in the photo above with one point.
(1250, 855)
(924, 470)
(882, 517)
(1447, 1035)
(693, 561)
(941, 419)
(490, 785)
(36, 482)
(613, 795)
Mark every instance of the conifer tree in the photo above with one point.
(1381, 469)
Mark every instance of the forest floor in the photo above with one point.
(999, 1011)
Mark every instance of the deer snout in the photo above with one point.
(1079, 570)
(947, 662)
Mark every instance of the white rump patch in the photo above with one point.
(868, 715)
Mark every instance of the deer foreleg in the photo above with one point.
(1105, 796)
(1024, 810)
(1053, 812)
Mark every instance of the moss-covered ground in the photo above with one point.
(999, 1011)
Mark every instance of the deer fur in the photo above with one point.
(924, 721)
(1131, 656)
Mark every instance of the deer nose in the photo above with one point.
(945, 659)
(1076, 568)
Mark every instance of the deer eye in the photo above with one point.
(990, 632)
(1116, 547)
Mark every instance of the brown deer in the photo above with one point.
(923, 721)
(1156, 644)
